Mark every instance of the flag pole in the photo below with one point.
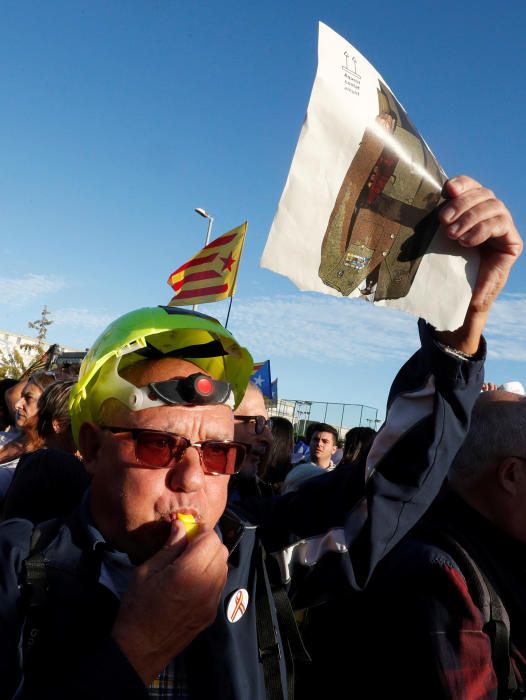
(205, 215)
(228, 314)
(235, 278)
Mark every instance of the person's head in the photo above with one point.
(54, 422)
(155, 428)
(514, 387)
(12, 396)
(323, 444)
(251, 427)
(282, 446)
(27, 405)
(489, 471)
(357, 444)
(311, 429)
(6, 414)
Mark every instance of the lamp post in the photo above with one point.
(205, 215)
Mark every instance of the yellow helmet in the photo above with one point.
(149, 333)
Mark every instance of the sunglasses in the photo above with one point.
(155, 449)
(260, 422)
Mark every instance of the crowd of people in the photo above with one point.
(394, 569)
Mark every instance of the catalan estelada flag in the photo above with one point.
(211, 274)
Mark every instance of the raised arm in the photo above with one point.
(427, 419)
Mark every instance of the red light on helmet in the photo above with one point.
(204, 386)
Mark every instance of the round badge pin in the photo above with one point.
(237, 605)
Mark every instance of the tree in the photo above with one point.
(41, 325)
(16, 362)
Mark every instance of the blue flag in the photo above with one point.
(261, 378)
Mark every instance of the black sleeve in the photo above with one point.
(427, 419)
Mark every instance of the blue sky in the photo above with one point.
(118, 118)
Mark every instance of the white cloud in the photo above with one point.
(319, 328)
(82, 318)
(322, 328)
(19, 291)
(506, 330)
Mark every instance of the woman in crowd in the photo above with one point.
(281, 448)
(26, 417)
(358, 442)
(50, 481)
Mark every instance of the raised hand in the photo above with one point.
(474, 217)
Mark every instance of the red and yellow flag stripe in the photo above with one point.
(211, 274)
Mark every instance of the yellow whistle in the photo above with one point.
(189, 523)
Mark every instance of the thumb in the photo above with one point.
(173, 547)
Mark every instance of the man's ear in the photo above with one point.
(90, 440)
(510, 474)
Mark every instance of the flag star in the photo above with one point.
(228, 262)
(258, 381)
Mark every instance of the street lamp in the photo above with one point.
(205, 215)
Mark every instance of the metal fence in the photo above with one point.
(342, 416)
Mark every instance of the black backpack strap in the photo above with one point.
(34, 586)
(494, 613)
(293, 647)
(295, 650)
(269, 650)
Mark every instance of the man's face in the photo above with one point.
(253, 404)
(27, 406)
(134, 506)
(322, 447)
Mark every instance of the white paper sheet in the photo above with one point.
(357, 216)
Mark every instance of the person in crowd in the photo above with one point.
(301, 450)
(432, 635)
(302, 447)
(279, 459)
(9, 389)
(130, 601)
(251, 427)
(6, 417)
(323, 445)
(338, 454)
(26, 416)
(50, 481)
(489, 386)
(357, 444)
(10, 393)
(54, 421)
(514, 386)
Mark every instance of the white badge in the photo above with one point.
(237, 605)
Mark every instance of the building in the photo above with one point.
(24, 344)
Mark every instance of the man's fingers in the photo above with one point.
(460, 184)
(171, 550)
(474, 234)
(468, 209)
